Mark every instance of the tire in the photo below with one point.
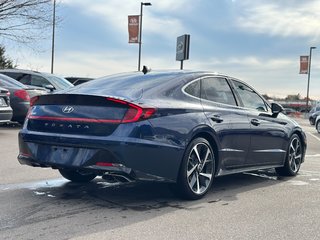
(197, 170)
(311, 121)
(77, 176)
(318, 126)
(293, 158)
(21, 122)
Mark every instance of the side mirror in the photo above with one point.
(49, 87)
(276, 108)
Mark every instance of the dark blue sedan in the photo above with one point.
(184, 127)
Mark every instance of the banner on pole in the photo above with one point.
(304, 63)
(133, 28)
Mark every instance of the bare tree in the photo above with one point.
(25, 20)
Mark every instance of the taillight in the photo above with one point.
(33, 100)
(23, 94)
(8, 94)
(135, 112)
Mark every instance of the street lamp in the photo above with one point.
(309, 68)
(53, 29)
(140, 32)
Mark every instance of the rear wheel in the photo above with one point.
(197, 169)
(293, 159)
(77, 175)
(311, 121)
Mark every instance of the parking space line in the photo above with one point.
(313, 136)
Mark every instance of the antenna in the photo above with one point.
(145, 69)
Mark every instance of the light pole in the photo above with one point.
(53, 32)
(140, 32)
(309, 68)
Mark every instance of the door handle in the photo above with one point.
(216, 118)
(255, 122)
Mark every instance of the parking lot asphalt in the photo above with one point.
(38, 204)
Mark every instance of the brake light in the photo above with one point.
(105, 164)
(33, 100)
(135, 112)
(22, 94)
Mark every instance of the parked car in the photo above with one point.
(313, 114)
(20, 95)
(46, 80)
(5, 109)
(317, 123)
(291, 112)
(183, 127)
(78, 80)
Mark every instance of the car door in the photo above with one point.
(267, 132)
(229, 122)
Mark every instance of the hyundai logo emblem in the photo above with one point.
(67, 109)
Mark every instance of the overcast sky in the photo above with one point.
(258, 41)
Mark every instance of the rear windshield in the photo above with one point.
(132, 80)
(8, 81)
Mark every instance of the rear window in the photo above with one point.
(8, 81)
(134, 81)
(193, 89)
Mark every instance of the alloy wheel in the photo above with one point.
(318, 126)
(295, 154)
(200, 167)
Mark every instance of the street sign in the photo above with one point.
(182, 50)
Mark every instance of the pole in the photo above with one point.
(53, 33)
(181, 64)
(309, 69)
(140, 36)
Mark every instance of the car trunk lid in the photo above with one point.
(82, 114)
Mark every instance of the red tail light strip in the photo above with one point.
(106, 164)
(133, 114)
(33, 100)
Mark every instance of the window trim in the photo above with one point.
(236, 98)
(183, 89)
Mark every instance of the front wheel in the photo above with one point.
(77, 176)
(293, 158)
(197, 169)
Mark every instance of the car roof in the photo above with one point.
(20, 71)
(134, 85)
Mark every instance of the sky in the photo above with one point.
(258, 41)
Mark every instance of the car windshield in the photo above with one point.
(59, 82)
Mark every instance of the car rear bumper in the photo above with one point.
(139, 158)
(5, 115)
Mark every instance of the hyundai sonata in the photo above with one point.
(184, 127)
